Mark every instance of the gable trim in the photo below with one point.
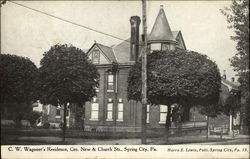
(179, 33)
(104, 54)
(95, 44)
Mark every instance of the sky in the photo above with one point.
(28, 33)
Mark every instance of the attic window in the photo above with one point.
(96, 56)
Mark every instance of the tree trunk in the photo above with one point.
(64, 121)
(168, 123)
(83, 117)
(186, 114)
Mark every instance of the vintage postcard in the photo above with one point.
(124, 79)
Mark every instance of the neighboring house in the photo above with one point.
(222, 122)
(228, 122)
(37, 106)
(54, 115)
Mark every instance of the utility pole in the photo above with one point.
(144, 75)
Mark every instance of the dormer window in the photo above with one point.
(96, 56)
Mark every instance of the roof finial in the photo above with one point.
(161, 6)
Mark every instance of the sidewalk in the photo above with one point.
(212, 140)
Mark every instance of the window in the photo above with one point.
(58, 113)
(161, 46)
(96, 56)
(155, 46)
(94, 109)
(148, 107)
(110, 82)
(165, 46)
(110, 110)
(163, 113)
(172, 47)
(120, 110)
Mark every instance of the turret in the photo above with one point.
(161, 36)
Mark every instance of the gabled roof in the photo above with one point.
(175, 34)
(161, 31)
(179, 38)
(106, 50)
(230, 85)
(122, 51)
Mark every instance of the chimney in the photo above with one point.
(232, 79)
(224, 74)
(134, 40)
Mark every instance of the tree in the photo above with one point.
(232, 104)
(180, 77)
(2, 2)
(17, 86)
(237, 16)
(66, 76)
(33, 116)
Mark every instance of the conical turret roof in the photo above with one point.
(161, 31)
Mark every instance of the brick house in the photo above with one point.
(110, 110)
